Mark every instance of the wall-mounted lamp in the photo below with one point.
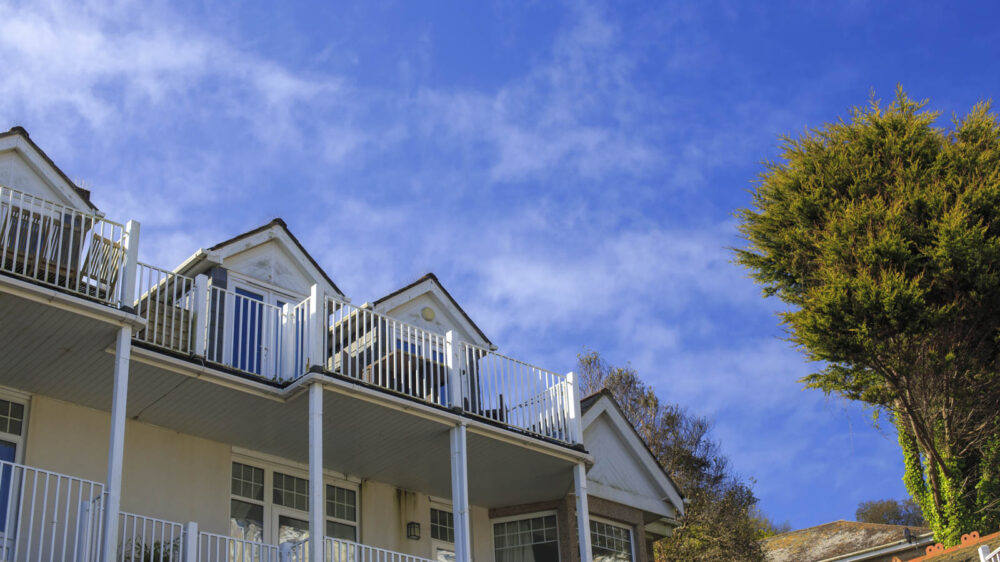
(413, 530)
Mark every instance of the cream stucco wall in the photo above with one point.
(167, 474)
(183, 478)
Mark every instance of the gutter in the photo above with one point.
(869, 553)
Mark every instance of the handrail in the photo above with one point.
(166, 300)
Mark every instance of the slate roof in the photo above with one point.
(834, 539)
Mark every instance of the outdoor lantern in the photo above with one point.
(413, 530)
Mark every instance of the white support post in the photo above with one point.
(284, 552)
(317, 506)
(454, 373)
(189, 551)
(127, 280)
(116, 445)
(575, 418)
(315, 331)
(582, 511)
(286, 362)
(201, 315)
(460, 494)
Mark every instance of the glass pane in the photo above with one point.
(341, 531)
(7, 453)
(248, 323)
(341, 503)
(527, 540)
(292, 530)
(246, 521)
(610, 543)
(290, 491)
(248, 481)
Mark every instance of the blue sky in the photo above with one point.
(568, 169)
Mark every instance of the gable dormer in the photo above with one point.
(269, 256)
(625, 470)
(26, 168)
(425, 303)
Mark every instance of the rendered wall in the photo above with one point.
(167, 474)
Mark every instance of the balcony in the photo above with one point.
(86, 255)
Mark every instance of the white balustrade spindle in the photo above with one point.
(220, 548)
(339, 550)
(167, 301)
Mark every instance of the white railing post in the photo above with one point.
(460, 494)
(317, 506)
(582, 511)
(451, 350)
(984, 553)
(189, 550)
(574, 420)
(129, 265)
(83, 532)
(116, 442)
(284, 552)
(289, 334)
(201, 315)
(316, 328)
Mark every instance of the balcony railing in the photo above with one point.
(89, 255)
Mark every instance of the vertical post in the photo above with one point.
(460, 494)
(284, 552)
(127, 280)
(454, 373)
(190, 548)
(116, 445)
(83, 533)
(573, 415)
(317, 507)
(201, 323)
(582, 511)
(316, 328)
(289, 340)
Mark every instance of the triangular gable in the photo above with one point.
(25, 167)
(624, 469)
(427, 304)
(270, 254)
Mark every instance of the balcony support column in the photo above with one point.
(317, 505)
(582, 511)
(116, 444)
(460, 494)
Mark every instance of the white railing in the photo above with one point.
(220, 548)
(517, 394)
(338, 550)
(48, 516)
(986, 556)
(244, 333)
(303, 332)
(147, 539)
(166, 300)
(383, 351)
(61, 246)
(295, 552)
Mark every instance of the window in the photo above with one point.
(527, 540)
(11, 429)
(341, 513)
(610, 543)
(246, 518)
(290, 491)
(442, 525)
(268, 505)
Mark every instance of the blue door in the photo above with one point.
(7, 452)
(248, 328)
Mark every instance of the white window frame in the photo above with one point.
(521, 517)
(271, 464)
(21, 440)
(438, 544)
(620, 525)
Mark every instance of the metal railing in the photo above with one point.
(61, 246)
(383, 351)
(986, 556)
(515, 393)
(339, 550)
(48, 516)
(145, 539)
(244, 333)
(220, 548)
(166, 300)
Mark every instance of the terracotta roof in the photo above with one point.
(20, 131)
(432, 277)
(280, 223)
(967, 551)
(834, 539)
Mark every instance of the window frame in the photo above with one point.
(521, 517)
(618, 524)
(19, 440)
(270, 466)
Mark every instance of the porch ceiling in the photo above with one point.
(64, 355)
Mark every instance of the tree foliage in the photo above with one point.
(882, 233)
(890, 512)
(721, 520)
